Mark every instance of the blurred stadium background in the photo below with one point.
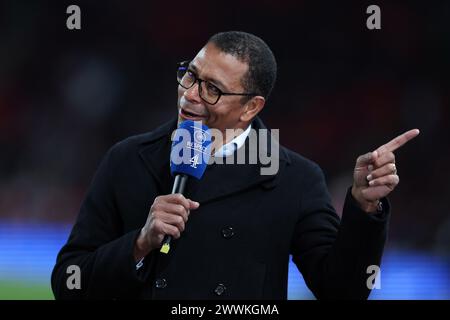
(67, 96)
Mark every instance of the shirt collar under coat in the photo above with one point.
(221, 179)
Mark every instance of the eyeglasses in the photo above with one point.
(207, 91)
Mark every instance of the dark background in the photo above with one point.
(66, 96)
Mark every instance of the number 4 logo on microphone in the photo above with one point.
(194, 161)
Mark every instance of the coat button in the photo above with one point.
(220, 289)
(228, 232)
(161, 283)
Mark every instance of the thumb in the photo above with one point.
(366, 159)
(193, 204)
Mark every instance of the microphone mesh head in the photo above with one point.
(191, 149)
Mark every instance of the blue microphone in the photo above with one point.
(189, 156)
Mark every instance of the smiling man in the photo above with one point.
(219, 99)
(236, 228)
(226, 85)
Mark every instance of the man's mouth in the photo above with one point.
(189, 115)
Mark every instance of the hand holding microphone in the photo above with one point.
(168, 216)
(191, 149)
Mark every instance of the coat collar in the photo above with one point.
(219, 180)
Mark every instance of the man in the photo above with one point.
(235, 229)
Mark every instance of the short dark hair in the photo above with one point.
(262, 66)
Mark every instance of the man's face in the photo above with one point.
(225, 72)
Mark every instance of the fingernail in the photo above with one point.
(369, 177)
(371, 183)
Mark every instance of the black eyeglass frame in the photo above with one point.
(185, 65)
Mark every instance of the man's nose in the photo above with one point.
(192, 94)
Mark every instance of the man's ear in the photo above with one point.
(252, 108)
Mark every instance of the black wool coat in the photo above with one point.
(236, 245)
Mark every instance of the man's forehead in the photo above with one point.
(212, 63)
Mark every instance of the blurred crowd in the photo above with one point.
(66, 96)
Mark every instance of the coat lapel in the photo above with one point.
(219, 180)
(155, 152)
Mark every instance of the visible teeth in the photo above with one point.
(190, 114)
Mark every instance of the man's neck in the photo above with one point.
(233, 141)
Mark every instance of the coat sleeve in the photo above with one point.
(332, 255)
(99, 248)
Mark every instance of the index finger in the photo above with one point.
(397, 142)
(178, 198)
